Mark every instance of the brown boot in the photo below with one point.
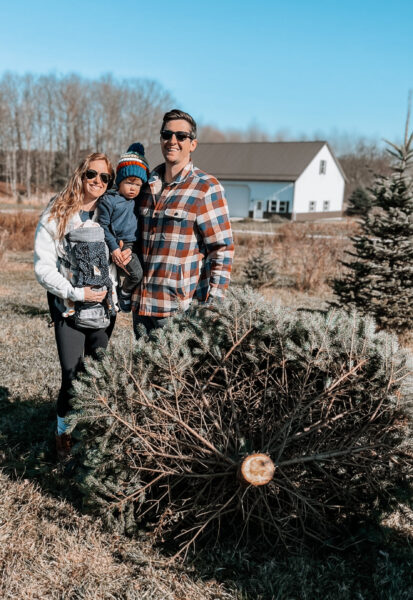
(63, 446)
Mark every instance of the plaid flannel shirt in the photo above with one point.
(186, 242)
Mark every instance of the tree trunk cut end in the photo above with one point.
(257, 469)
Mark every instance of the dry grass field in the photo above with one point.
(50, 550)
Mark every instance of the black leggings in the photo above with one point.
(73, 344)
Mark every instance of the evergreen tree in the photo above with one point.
(379, 281)
(259, 269)
(244, 420)
(359, 203)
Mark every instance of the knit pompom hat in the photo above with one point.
(133, 164)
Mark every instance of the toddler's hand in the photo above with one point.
(126, 254)
(121, 257)
(117, 257)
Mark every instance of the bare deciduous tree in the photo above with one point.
(48, 122)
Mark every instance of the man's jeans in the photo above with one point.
(148, 323)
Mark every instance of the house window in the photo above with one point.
(259, 205)
(278, 206)
(323, 167)
(326, 205)
(312, 206)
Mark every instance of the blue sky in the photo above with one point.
(309, 68)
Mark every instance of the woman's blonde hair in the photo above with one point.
(69, 201)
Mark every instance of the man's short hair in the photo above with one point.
(175, 114)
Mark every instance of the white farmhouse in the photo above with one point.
(299, 180)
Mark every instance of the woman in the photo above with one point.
(77, 203)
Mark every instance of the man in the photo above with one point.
(186, 238)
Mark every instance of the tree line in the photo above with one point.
(48, 122)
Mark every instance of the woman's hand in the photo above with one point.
(92, 295)
(121, 257)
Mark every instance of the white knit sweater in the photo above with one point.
(48, 249)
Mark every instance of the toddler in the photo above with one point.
(118, 218)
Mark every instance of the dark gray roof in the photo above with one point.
(259, 161)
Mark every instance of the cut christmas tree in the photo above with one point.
(248, 423)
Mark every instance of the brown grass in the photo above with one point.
(306, 255)
(6, 189)
(19, 200)
(49, 551)
(3, 244)
(310, 255)
(19, 227)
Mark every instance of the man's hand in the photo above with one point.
(121, 257)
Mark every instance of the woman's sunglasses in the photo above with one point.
(166, 134)
(104, 177)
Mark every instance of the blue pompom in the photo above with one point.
(138, 148)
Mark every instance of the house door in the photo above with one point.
(259, 209)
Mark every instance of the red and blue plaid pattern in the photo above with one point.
(186, 242)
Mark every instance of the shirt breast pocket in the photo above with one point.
(176, 214)
(175, 224)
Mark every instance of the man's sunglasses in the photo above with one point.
(166, 134)
(104, 177)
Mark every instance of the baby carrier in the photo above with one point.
(87, 263)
